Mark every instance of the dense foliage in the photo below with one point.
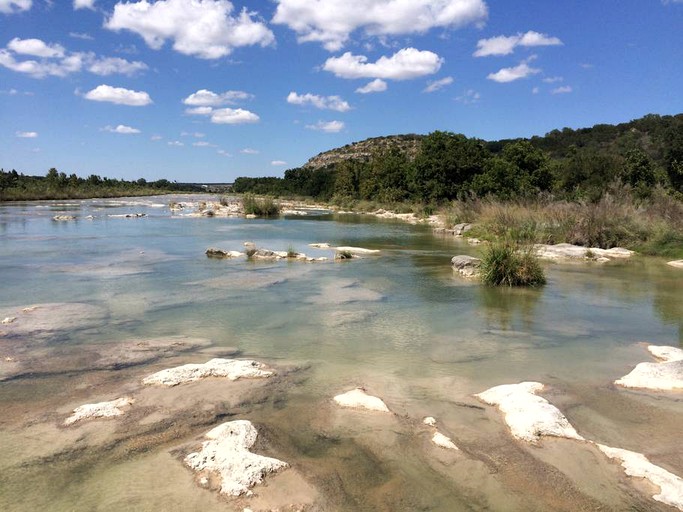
(571, 164)
(509, 263)
(57, 185)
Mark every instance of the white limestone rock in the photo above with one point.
(442, 441)
(559, 252)
(8, 320)
(226, 453)
(429, 420)
(231, 369)
(528, 416)
(666, 375)
(359, 399)
(676, 263)
(63, 218)
(99, 410)
(356, 250)
(212, 252)
(466, 266)
(638, 466)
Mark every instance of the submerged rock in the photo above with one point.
(638, 466)
(466, 266)
(359, 399)
(226, 454)
(42, 320)
(666, 375)
(559, 252)
(676, 263)
(528, 416)
(442, 441)
(99, 410)
(231, 369)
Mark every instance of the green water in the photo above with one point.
(400, 324)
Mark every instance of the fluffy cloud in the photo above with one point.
(233, 116)
(321, 102)
(504, 45)
(115, 65)
(438, 84)
(54, 60)
(249, 151)
(118, 95)
(565, 89)
(35, 48)
(376, 85)
(327, 127)
(122, 129)
(84, 4)
(403, 65)
(331, 22)
(522, 70)
(203, 28)
(205, 98)
(27, 135)
(12, 6)
(278, 162)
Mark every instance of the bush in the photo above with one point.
(509, 264)
(260, 206)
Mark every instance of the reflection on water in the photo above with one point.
(401, 324)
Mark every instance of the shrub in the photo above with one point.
(509, 264)
(260, 206)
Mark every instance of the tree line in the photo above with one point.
(569, 164)
(57, 185)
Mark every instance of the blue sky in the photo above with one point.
(208, 90)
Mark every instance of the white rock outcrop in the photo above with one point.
(559, 252)
(638, 466)
(429, 420)
(99, 410)
(676, 263)
(226, 453)
(666, 375)
(359, 399)
(466, 266)
(232, 369)
(8, 320)
(528, 415)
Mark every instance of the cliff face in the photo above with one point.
(363, 151)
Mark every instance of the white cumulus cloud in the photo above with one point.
(118, 95)
(321, 102)
(206, 98)
(403, 65)
(12, 6)
(438, 84)
(331, 22)
(84, 4)
(278, 162)
(203, 28)
(377, 85)
(505, 45)
(522, 70)
(327, 127)
(114, 65)
(122, 129)
(233, 116)
(35, 48)
(249, 151)
(27, 135)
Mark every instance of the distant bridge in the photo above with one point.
(211, 187)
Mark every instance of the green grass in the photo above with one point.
(511, 264)
(260, 206)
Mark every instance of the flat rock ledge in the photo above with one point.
(528, 415)
(346, 251)
(676, 263)
(359, 399)
(226, 454)
(564, 252)
(666, 375)
(99, 410)
(466, 266)
(253, 253)
(638, 466)
(231, 369)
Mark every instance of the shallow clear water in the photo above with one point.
(400, 324)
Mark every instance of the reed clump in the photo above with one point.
(260, 206)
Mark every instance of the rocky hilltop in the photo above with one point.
(362, 151)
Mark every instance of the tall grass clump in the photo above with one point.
(507, 263)
(260, 206)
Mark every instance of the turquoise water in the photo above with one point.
(400, 324)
